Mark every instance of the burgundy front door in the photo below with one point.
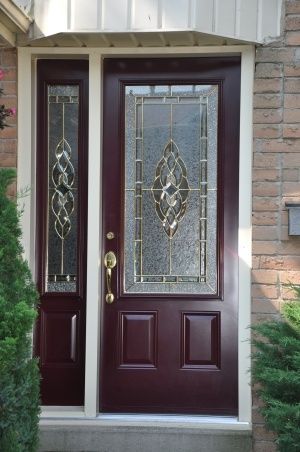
(170, 209)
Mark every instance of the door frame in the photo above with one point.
(27, 58)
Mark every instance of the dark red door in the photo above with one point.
(170, 209)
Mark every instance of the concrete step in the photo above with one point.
(84, 437)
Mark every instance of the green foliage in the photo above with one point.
(277, 368)
(19, 375)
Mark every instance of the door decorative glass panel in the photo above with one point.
(63, 184)
(171, 189)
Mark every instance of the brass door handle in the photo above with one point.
(110, 261)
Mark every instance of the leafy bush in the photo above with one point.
(19, 375)
(277, 369)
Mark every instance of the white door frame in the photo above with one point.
(27, 57)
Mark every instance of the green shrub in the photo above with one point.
(276, 366)
(19, 375)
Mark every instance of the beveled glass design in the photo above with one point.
(170, 189)
(170, 211)
(62, 188)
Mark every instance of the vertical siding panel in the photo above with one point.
(175, 14)
(247, 19)
(114, 14)
(225, 17)
(84, 15)
(269, 16)
(145, 14)
(205, 15)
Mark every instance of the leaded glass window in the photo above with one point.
(171, 189)
(63, 110)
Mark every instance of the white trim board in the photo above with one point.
(26, 178)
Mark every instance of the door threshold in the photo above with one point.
(65, 417)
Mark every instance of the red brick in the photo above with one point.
(290, 175)
(267, 100)
(261, 247)
(8, 58)
(264, 233)
(292, 23)
(291, 160)
(287, 293)
(8, 160)
(291, 131)
(264, 446)
(284, 233)
(272, 263)
(265, 189)
(280, 145)
(9, 132)
(265, 306)
(274, 55)
(12, 190)
(8, 145)
(257, 417)
(267, 131)
(292, 70)
(273, 85)
(255, 262)
(292, 100)
(291, 115)
(265, 160)
(264, 291)
(265, 218)
(284, 217)
(9, 88)
(265, 175)
(267, 116)
(291, 189)
(292, 38)
(292, 85)
(291, 262)
(292, 7)
(265, 276)
(268, 70)
(10, 74)
(265, 204)
(258, 318)
(290, 248)
(287, 277)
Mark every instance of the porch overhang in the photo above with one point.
(12, 21)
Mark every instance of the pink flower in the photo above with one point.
(12, 111)
(1, 74)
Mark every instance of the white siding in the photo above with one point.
(145, 14)
(84, 15)
(248, 20)
(225, 17)
(175, 14)
(115, 14)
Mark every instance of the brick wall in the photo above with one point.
(276, 180)
(8, 136)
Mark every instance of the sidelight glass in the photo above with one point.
(171, 189)
(63, 111)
